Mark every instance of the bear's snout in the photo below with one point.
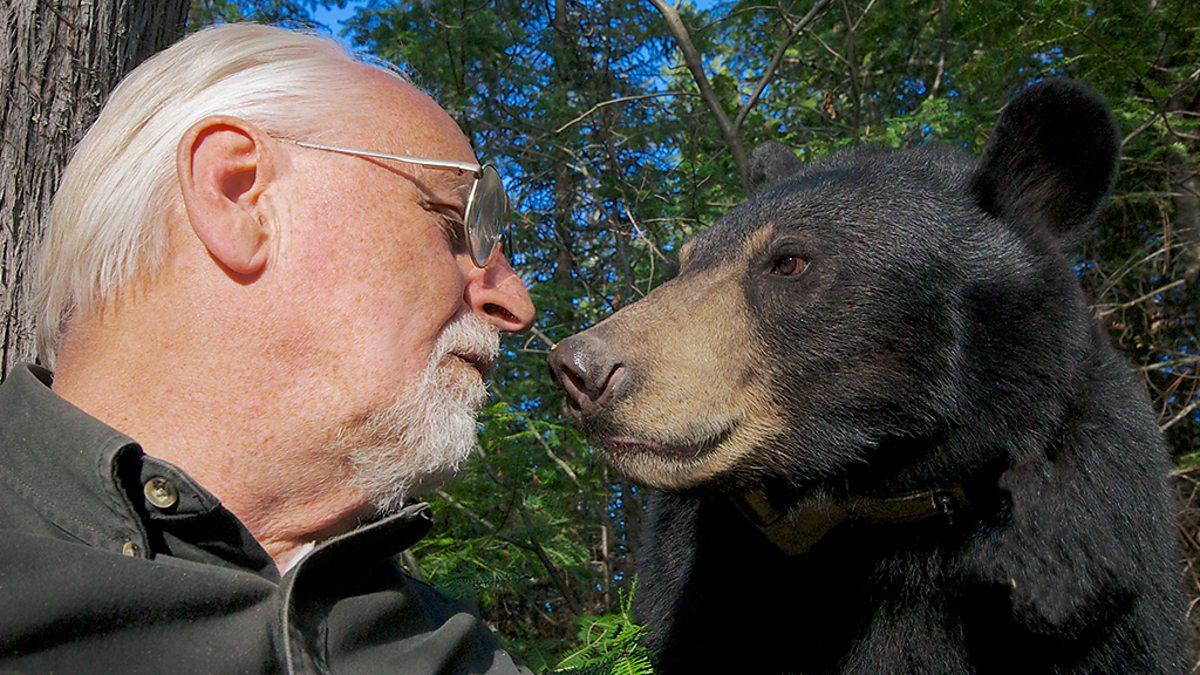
(587, 369)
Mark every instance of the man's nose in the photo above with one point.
(498, 295)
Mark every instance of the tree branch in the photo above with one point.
(1161, 109)
(556, 576)
(1187, 410)
(943, 38)
(1126, 305)
(853, 67)
(622, 99)
(692, 59)
(769, 74)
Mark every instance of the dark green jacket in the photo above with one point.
(95, 578)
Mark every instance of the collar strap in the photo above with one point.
(796, 529)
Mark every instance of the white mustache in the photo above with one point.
(471, 338)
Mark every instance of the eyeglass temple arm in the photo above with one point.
(440, 163)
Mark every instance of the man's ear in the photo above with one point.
(224, 165)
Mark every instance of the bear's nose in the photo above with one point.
(583, 365)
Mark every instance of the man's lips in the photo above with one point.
(479, 362)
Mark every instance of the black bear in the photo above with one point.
(890, 437)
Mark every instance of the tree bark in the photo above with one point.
(1186, 190)
(59, 60)
(1185, 186)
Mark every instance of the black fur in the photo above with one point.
(938, 336)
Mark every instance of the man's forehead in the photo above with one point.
(405, 119)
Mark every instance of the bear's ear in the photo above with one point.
(772, 162)
(1051, 160)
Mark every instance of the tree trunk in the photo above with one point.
(59, 60)
(1186, 190)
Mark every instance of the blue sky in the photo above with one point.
(333, 16)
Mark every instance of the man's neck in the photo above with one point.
(279, 480)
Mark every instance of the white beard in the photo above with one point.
(423, 438)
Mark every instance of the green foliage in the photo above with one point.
(279, 12)
(608, 645)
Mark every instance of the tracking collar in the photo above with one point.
(797, 528)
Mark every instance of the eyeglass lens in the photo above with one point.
(488, 215)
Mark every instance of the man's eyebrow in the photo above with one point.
(447, 189)
(430, 198)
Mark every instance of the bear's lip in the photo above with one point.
(624, 443)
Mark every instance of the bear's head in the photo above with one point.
(908, 311)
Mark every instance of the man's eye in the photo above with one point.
(789, 265)
(453, 229)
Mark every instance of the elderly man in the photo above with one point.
(271, 288)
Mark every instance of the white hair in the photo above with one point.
(106, 227)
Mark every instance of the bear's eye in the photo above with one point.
(789, 265)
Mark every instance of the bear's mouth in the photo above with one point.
(622, 444)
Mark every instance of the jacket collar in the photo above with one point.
(65, 463)
(88, 479)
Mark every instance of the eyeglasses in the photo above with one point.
(486, 215)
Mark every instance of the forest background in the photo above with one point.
(621, 128)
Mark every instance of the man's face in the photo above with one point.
(386, 319)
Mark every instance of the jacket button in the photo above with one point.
(160, 492)
(131, 549)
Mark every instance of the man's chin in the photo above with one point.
(428, 482)
(421, 441)
(416, 445)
